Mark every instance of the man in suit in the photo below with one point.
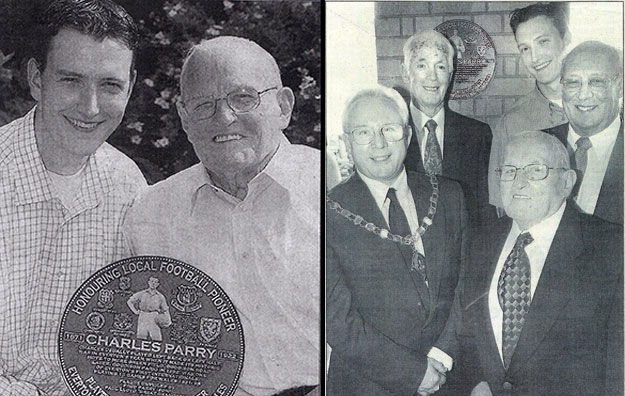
(387, 302)
(592, 81)
(543, 291)
(447, 143)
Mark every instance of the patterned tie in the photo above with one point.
(433, 157)
(583, 144)
(514, 292)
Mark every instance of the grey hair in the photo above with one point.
(377, 91)
(553, 145)
(432, 39)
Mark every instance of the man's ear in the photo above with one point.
(181, 114)
(568, 182)
(404, 73)
(34, 79)
(408, 132)
(286, 101)
(133, 80)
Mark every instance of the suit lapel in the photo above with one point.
(611, 194)
(361, 201)
(554, 287)
(413, 157)
(452, 144)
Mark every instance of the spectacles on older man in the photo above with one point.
(596, 84)
(533, 172)
(240, 101)
(366, 135)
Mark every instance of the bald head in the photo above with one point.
(595, 51)
(233, 59)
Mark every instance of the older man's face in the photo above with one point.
(591, 109)
(232, 140)
(379, 160)
(428, 76)
(527, 201)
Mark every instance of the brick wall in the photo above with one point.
(396, 21)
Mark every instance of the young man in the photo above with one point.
(541, 33)
(63, 190)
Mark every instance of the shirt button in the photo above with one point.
(245, 255)
(507, 385)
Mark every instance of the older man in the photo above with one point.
(248, 213)
(542, 34)
(63, 190)
(393, 249)
(446, 143)
(543, 291)
(592, 86)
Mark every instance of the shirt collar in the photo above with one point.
(602, 141)
(545, 230)
(420, 118)
(379, 189)
(32, 184)
(554, 108)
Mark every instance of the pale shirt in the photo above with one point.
(66, 187)
(598, 159)
(47, 250)
(379, 191)
(537, 251)
(148, 300)
(264, 251)
(420, 119)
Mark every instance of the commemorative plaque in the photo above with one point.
(152, 326)
(475, 57)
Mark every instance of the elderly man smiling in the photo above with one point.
(248, 213)
(393, 249)
(543, 291)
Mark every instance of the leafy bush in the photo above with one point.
(151, 133)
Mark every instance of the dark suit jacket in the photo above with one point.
(381, 319)
(610, 202)
(572, 339)
(466, 150)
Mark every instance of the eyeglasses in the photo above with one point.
(533, 172)
(366, 135)
(596, 84)
(240, 101)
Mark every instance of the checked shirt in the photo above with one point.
(47, 251)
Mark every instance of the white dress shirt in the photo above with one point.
(420, 119)
(537, 251)
(598, 159)
(406, 201)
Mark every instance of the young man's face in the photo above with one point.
(541, 48)
(82, 92)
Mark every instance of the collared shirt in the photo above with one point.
(420, 119)
(47, 250)
(264, 251)
(148, 300)
(532, 112)
(379, 191)
(598, 159)
(537, 251)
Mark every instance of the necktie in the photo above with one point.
(583, 144)
(398, 224)
(433, 158)
(514, 293)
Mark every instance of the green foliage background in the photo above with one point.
(151, 133)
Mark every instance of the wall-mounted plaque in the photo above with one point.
(475, 57)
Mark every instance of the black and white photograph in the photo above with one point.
(474, 198)
(160, 198)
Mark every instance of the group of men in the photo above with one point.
(427, 290)
(70, 203)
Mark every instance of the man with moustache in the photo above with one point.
(393, 248)
(592, 86)
(447, 143)
(63, 190)
(542, 34)
(248, 213)
(543, 289)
